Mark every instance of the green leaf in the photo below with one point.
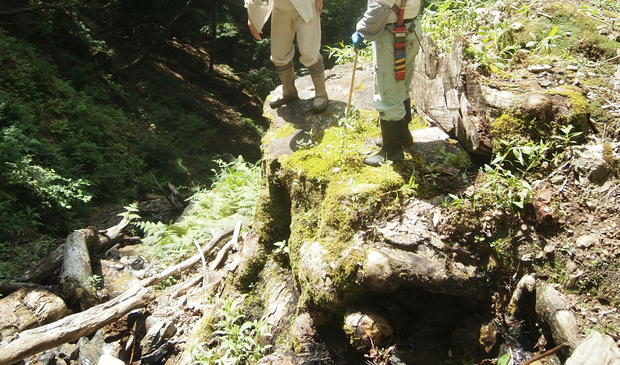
(505, 359)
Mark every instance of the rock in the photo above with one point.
(596, 349)
(385, 270)
(539, 68)
(109, 360)
(27, 308)
(279, 358)
(159, 330)
(367, 329)
(587, 240)
(590, 164)
(91, 349)
(553, 309)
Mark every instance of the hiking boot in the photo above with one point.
(317, 72)
(289, 92)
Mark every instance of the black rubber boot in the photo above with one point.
(407, 139)
(392, 148)
(289, 91)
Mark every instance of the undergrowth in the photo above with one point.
(231, 198)
(231, 337)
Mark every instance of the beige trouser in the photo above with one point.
(285, 25)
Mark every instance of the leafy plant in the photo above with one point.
(231, 198)
(131, 212)
(233, 340)
(345, 53)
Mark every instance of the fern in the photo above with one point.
(231, 198)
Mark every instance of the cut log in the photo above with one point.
(74, 326)
(27, 308)
(76, 276)
(553, 309)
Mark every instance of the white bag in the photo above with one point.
(259, 11)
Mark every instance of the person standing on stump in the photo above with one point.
(395, 30)
(292, 19)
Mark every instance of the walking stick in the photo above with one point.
(346, 113)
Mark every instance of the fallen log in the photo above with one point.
(84, 323)
(27, 308)
(72, 327)
(76, 278)
(9, 286)
(45, 269)
(109, 237)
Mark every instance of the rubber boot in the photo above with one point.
(289, 92)
(407, 138)
(317, 72)
(392, 148)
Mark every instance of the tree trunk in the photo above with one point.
(76, 279)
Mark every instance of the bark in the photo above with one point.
(553, 309)
(76, 276)
(74, 326)
(27, 308)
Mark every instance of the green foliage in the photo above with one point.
(505, 359)
(231, 198)
(442, 17)
(131, 212)
(345, 53)
(233, 340)
(496, 48)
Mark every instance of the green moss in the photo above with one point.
(250, 270)
(580, 109)
(271, 217)
(610, 158)
(284, 131)
(332, 195)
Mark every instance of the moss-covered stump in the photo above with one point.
(339, 215)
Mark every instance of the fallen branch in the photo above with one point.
(73, 327)
(189, 262)
(84, 323)
(544, 354)
(44, 270)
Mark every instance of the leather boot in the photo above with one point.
(407, 139)
(317, 72)
(289, 92)
(392, 148)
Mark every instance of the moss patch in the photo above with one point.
(333, 195)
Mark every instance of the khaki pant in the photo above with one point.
(285, 25)
(389, 94)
